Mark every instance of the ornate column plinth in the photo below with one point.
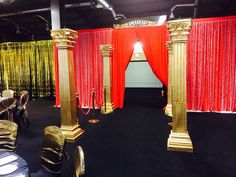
(106, 53)
(168, 110)
(65, 40)
(179, 139)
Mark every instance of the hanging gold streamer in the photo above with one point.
(27, 66)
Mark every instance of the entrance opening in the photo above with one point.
(142, 86)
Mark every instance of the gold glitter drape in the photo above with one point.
(27, 66)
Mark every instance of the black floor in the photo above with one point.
(132, 142)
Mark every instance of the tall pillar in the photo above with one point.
(168, 110)
(65, 40)
(179, 139)
(106, 54)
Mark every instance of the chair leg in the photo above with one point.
(10, 116)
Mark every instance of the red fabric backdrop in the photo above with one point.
(89, 64)
(211, 65)
(154, 46)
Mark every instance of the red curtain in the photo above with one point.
(89, 64)
(154, 46)
(211, 65)
(123, 41)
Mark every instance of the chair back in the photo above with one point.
(8, 134)
(24, 98)
(7, 105)
(53, 149)
(79, 161)
(8, 93)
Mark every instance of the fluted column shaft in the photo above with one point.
(168, 110)
(106, 54)
(179, 139)
(65, 40)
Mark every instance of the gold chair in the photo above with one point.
(8, 93)
(8, 134)
(53, 149)
(8, 105)
(79, 161)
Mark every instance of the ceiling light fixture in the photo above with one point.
(47, 27)
(104, 3)
(17, 29)
(172, 16)
(161, 20)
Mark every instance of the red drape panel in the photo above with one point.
(211, 65)
(89, 64)
(56, 71)
(154, 46)
(123, 41)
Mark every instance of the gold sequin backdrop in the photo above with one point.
(27, 66)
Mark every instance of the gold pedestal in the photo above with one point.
(72, 133)
(179, 142)
(109, 109)
(168, 110)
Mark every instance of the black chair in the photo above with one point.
(22, 116)
(52, 153)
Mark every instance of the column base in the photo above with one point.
(179, 142)
(168, 110)
(72, 133)
(109, 108)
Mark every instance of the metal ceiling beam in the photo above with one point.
(67, 6)
(17, 25)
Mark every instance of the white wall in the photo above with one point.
(139, 74)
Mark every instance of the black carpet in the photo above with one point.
(132, 142)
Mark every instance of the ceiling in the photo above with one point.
(33, 26)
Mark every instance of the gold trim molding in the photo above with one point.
(136, 22)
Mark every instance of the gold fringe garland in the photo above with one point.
(27, 66)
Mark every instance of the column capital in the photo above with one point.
(106, 50)
(64, 38)
(169, 45)
(179, 29)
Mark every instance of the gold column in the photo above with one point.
(65, 40)
(179, 139)
(168, 110)
(106, 53)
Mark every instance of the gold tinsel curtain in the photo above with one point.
(27, 66)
